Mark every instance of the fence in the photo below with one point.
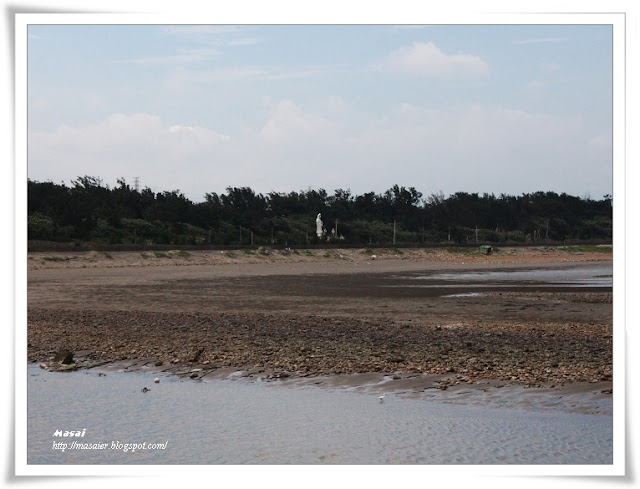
(45, 246)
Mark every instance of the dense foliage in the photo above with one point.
(90, 211)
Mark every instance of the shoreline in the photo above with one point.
(381, 259)
(572, 398)
(330, 319)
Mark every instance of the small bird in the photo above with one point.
(382, 397)
(144, 389)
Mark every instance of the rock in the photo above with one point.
(67, 367)
(64, 357)
(145, 390)
(194, 375)
(44, 365)
(197, 355)
(159, 363)
(156, 380)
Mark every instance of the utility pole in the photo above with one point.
(251, 238)
(240, 234)
(476, 234)
(547, 230)
(394, 231)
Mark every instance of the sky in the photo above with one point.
(443, 108)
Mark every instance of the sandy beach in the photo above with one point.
(324, 314)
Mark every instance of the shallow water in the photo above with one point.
(585, 275)
(235, 422)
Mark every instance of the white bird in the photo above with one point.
(382, 397)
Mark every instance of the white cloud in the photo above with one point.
(244, 41)
(199, 30)
(183, 56)
(125, 145)
(473, 149)
(220, 35)
(550, 67)
(289, 123)
(541, 40)
(183, 77)
(293, 74)
(426, 59)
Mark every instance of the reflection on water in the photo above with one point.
(592, 275)
(234, 422)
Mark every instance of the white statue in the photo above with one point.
(319, 225)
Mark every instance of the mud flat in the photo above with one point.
(335, 318)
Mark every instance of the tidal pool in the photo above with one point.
(589, 275)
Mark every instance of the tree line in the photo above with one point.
(88, 211)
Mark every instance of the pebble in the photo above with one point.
(517, 351)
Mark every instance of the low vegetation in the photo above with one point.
(589, 249)
(55, 258)
(460, 250)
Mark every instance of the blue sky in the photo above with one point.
(474, 108)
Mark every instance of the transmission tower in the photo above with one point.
(136, 183)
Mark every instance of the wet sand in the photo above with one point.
(324, 318)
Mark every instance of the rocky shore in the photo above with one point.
(278, 346)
